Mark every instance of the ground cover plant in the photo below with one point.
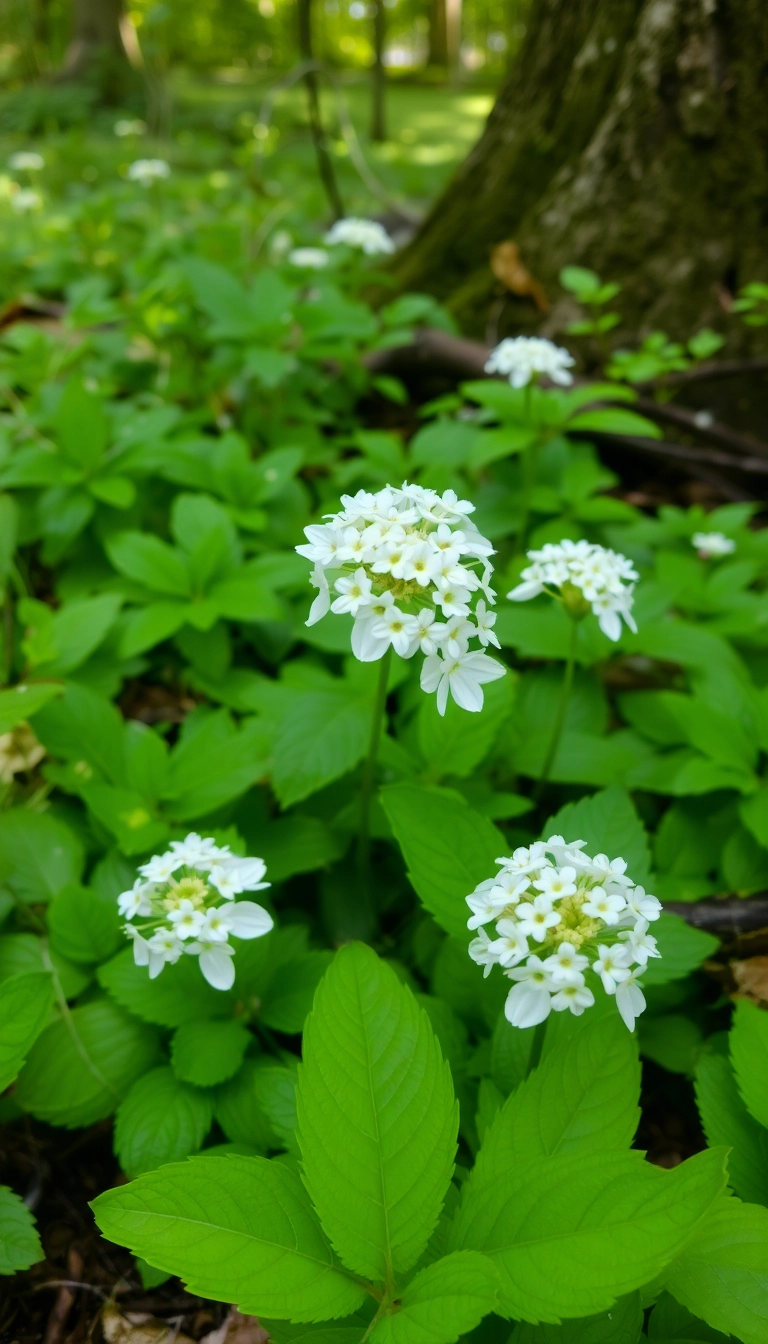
(351, 748)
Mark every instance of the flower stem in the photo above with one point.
(537, 1046)
(562, 708)
(528, 461)
(369, 767)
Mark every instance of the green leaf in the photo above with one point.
(161, 1120)
(448, 848)
(581, 1099)
(147, 626)
(38, 853)
(610, 825)
(621, 1325)
(208, 1052)
(727, 1121)
(82, 425)
(456, 742)
(377, 1117)
(444, 1301)
(683, 949)
(749, 1055)
(614, 420)
(21, 953)
(24, 700)
(84, 726)
(235, 1229)
(672, 1040)
(670, 1320)
(240, 1109)
(722, 1275)
(83, 925)
(569, 1235)
(19, 1243)
(78, 628)
(323, 736)
(81, 1066)
(178, 995)
(150, 561)
(214, 762)
(126, 815)
(25, 1005)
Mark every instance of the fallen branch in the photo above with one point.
(694, 422)
(735, 915)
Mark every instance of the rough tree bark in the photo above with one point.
(631, 136)
(97, 50)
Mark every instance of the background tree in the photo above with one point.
(630, 136)
(100, 48)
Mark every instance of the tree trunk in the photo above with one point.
(438, 34)
(378, 74)
(314, 110)
(631, 136)
(96, 52)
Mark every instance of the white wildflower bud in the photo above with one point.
(713, 545)
(523, 359)
(26, 161)
(584, 577)
(177, 905)
(309, 258)
(367, 235)
(568, 925)
(404, 557)
(147, 171)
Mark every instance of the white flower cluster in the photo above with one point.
(26, 161)
(177, 899)
(127, 126)
(147, 171)
(558, 918)
(25, 200)
(405, 555)
(523, 359)
(309, 258)
(712, 545)
(584, 576)
(367, 235)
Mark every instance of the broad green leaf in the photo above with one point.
(377, 1117)
(78, 628)
(83, 925)
(81, 1067)
(82, 425)
(214, 762)
(84, 727)
(151, 562)
(126, 815)
(727, 1121)
(570, 1235)
(448, 848)
(453, 744)
(25, 1004)
(670, 1321)
(610, 825)
(209, 1052)
(19, 1243)
(240, 1109)
(683, 949)
(323, 736)
(161, 1120)
(444, 1301)
(38, 854)
(672, 1040)
(144, 627)
(615, 420)
(178, 995)
(283, 1332)
(620, 1325)
(235, 1229)
(581, 1099)
(722, 1275)
(21, 953)
(749, 1055)
(24, 700)
(275, 1091)
(293, 844)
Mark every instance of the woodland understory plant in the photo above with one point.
(326, 1112)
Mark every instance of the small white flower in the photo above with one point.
(192, 852)
(462, 677)
(483, 952)
(485, 622)
(511, 946)
(641, 904)
(398, 629)
(355, 593)
(126, 127)
(136, 901)
(524, 358)
(630, 1001)
(529, 1001)
(431, 632)
(640, 943)
(575, 997)
(536, 917)
(216, 926)
(367, 235)
(484, 904)
(163, 949)
(566, 964)
(612, 965)
(712, 545)
(602, 578)
(557, 883)
(25, 200)
(246, 919)
(309, 258)
(322, 602)
(186, 919)
(147, 171)
(26, 161)
(216, 964)
(161, 867)
(603, 905)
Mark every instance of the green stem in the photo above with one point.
(527, 486)
(562, 709)
(369, 768)
(537, 1046)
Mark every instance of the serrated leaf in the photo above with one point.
(722, 1275)
(749, 1054)
(81, 1067)
(570, 1235)
(443, 1301)
(235, 1229)
(323, 735)
(448, 848)
(209, 1052)
(160, 1120)
(25, 1005)
(581, 1099)
(24, 952)
(19, 1243)
(178, 995)
(84, 926)
(621, 1325)
(377, 1118)
(727, 1122)
(610, 825)
(240, 1110)
(38, 854)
